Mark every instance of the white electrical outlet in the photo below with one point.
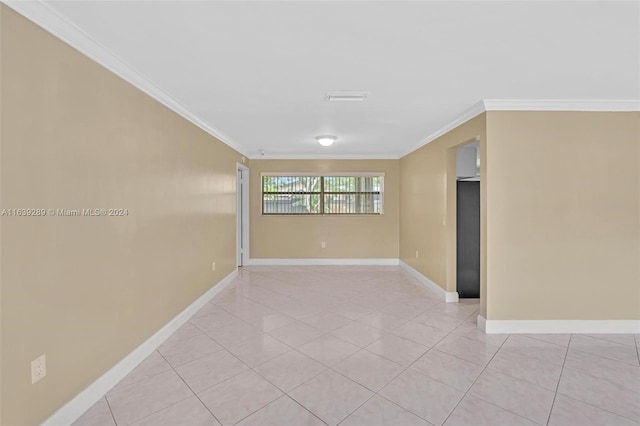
(213, 266)
(324, 245)
(417, 254)
(38, 368)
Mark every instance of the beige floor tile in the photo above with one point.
(188, 350)
(153, 365)
(140, 399)
(187, 331)
(213, 321)
(330, 396)
(529, 369)
(517, 396)
(189, 412)
(258, 349)
(282, 412)
(448, 369)
(557, 339)
(380, 412)
(397, 349)
(622, 339)
(238, 397)
(290, 370)
(615, 372)
(536, 348)
(570, 412)
(248, 310)
(277, 319)
(328, 349)
(296, 334)
(405, 310)
(368, 369)
(359, 334)
(382, 320)
(210, 370)
(420, 333)
(424, 397)
(98, 415)
(601, 393)
(468, 349)
(327, 322)
(470, 330)
(234, 333)
(605, 348)
(270, 322)
(439, 320)
(475, 412)
(207, 309)
(351, 310)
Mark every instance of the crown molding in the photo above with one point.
(595, 105)
(48, 18)
(324, 157)
(466, 115)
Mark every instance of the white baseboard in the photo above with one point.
(447, 296)
(559, 326)
(323, 262)
(482, 323)
(451, 297)
(72, 410)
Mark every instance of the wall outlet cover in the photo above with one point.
(38, 368)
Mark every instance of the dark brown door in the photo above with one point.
(468, 240)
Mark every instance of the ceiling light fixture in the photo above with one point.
(326, 140)
(345, 96)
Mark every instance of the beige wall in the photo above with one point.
(85, 291)
(300, 237)
(563, 215)
(428, 205)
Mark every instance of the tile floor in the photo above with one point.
(367, 346)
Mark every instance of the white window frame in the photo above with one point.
(329, 174)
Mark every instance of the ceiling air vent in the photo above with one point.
(345, 96)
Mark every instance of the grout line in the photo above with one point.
(357, 408)
(599, 408)
(192, 391)
(607, 358)
(298, 385)
(306, 409)
(110, 410)
(474, 382)
(407, 368)
(555, 393)
(533, 336)
(588, 374)
(592, 336)
(404, 409)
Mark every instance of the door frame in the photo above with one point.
(242, 215)
(451, 221)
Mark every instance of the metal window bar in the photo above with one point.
(321, 195)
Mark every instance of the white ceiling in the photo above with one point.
(258, 71)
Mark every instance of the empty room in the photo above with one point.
(354, 213)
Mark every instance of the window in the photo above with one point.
(310, 194)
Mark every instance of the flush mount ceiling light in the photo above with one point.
(326, 140)
(345, 96)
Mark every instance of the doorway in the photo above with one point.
(242, 215)
(468, 220)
